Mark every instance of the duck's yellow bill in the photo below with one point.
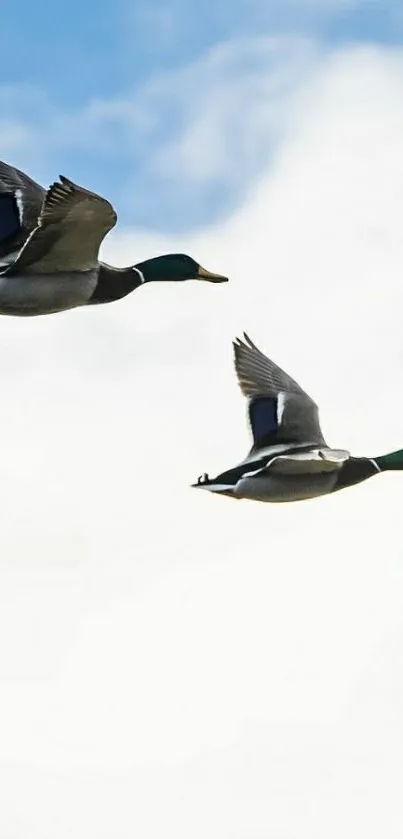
(203, 274)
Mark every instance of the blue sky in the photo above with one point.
(100, 91)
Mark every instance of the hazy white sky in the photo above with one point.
(173, 663)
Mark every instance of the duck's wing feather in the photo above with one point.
(71, 226)
(21, 199)
(279, 410)
(33, 195)
(313, 462)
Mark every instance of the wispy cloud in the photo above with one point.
(182, 135)
(168, 22)
(243, 94)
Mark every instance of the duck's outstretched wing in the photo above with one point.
(279, 410)
(21, 201)
(309, 463)
(71, 226)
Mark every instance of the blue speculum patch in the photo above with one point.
(263, 416)
(9, 216)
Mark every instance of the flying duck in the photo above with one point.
(49, 245)
(289, 459)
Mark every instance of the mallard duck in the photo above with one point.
(289, 459)
(49, 244)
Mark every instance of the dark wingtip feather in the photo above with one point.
(67, 183)
(241, 342)
(249, 342)
(244, 340)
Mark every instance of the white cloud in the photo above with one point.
(180, 665)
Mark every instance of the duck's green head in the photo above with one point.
(175, 267)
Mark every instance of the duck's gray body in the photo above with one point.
(46, 294)
(275, 488)
(290, 459)
(293, 477)
(297, 474)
